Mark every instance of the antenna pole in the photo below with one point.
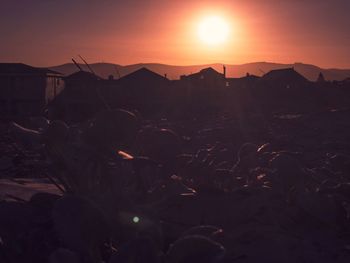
(101, 97)
(87, 65)
(76, 64)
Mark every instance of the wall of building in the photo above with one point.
(21, 95)
(27, 95)
(54, 86)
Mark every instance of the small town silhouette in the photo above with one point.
(204, 168)
(181, 161)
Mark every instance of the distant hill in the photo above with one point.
(311, 72)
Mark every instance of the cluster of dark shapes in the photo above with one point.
(203, 93)
(221, 188)
(203, 169)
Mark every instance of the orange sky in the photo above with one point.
(46, 33)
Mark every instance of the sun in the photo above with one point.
(213, 30)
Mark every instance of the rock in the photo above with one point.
(62, 255)
(247, 158)
(195, 249)
(80, 225)
(112, 130)
(5, 163)
(27, 138)
(161, 145)
(137, 251)
(39, 123)
(16, 219)
(42, 204)
(56, 133)
(319, 210)
(288, 172)
(204, 230)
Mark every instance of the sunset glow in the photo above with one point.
(213, 30)
(174, 131)
(177, 32)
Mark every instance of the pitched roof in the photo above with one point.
(287, 74)
(82, 75)
(142, 74)
(23, 69)
(248, 77)
(209, 70)
(206, 71)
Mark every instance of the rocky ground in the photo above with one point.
(254, 188)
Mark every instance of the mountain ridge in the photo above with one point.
(102, 69)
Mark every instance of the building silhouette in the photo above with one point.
(26, 90)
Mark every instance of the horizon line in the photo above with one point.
(185, 65)
(214, 63)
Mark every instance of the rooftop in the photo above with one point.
(83, 75)
(206, 71)
(143, 73)
(284, 74)
(23, 69)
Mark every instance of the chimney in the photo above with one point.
(224, 70)
(321, 78)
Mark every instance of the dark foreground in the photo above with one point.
(219, 189)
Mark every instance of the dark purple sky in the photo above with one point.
(47, 32)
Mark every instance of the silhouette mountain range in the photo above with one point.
(104, 70)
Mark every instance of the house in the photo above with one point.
(280, 90)
(142, 89)
(86, 93)
(204, 90)
(26, 90)
(80, 99)
(286, 78)
(243, 82)
(206, 78)
(343, 84)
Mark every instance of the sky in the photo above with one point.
(48, 32)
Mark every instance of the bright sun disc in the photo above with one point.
(213, 30)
